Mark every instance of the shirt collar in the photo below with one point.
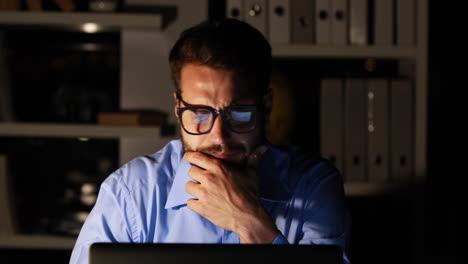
(177, 194)
(273, 175)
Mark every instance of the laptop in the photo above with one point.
(142, 253)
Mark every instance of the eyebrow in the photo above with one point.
(234, 102)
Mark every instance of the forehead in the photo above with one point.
(205, 85)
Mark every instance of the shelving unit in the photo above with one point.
(134, 141)
(413, 62)
(37, 241)
(76, 130)
(314, 51)
(371, 189)
(75, 20)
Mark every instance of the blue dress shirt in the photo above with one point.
(145, 202)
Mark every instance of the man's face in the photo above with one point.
(202, 86)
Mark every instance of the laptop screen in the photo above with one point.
(128, 253)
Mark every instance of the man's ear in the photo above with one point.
(176, 103)
(268, 103)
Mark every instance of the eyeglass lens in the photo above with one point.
(200, 120)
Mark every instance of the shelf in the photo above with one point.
(76, 130)
(76, 20)
(37, 241)
(371, 189)
(314, 51)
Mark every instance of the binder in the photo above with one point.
(255, 13)
(302, 21)
(401, 130)
(331, 121)
(234, 9)
(358, 22)
(383, 22)
(378, 130)
(406, 22)
(323, 16)
(355, 131)
(339, 22)
(7, 216)
(279, 20)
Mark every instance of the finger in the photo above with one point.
(254, 157)
(193, 188)
(194, 205)
(201, 160)
(196, 173)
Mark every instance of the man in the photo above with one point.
(222, 183)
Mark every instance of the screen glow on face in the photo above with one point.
(241, 116)
(199, 120)
(201, 116)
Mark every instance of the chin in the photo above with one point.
(235, 153)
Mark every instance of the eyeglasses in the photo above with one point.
(200, 120)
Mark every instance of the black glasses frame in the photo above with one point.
(216, 113)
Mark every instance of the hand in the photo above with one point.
(228, 196)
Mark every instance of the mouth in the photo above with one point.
(225, 156)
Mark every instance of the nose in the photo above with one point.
(219, 132)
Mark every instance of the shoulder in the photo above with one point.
(307, 169)
(149, 170)
(303, 160)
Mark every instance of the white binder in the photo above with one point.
(279, 21)
(358, 22)
(256, 14)
(234, 9)
(378, 130)
(401, 130)
(302, 25)
(355, 131)
(339, 22)
(323, 17)
(383, 22)
(406, 22)
(7, 226)
(331, 121)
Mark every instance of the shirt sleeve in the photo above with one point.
(325, 218)
(280, 240)
(108, 221)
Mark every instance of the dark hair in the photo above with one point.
(227, 44)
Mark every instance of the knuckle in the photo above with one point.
(203, 193)
(208, 178)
